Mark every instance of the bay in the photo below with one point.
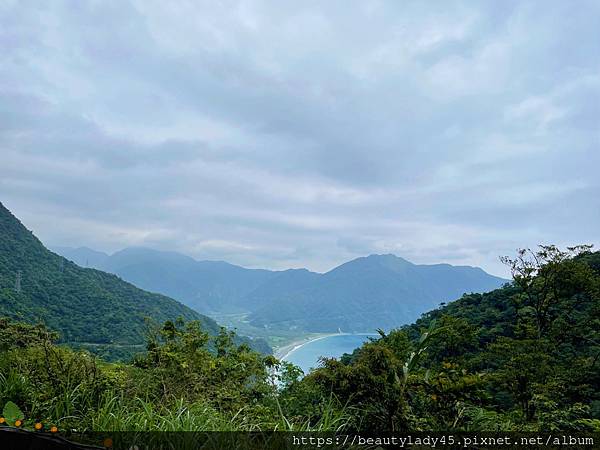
(307, 355)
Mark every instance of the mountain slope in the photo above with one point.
(205, 286)
(522, 357)
(86, 306)
(378, 291)
(82, 256)
(283, 285)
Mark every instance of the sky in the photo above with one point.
(303, 134)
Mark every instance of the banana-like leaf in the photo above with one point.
(12, 413)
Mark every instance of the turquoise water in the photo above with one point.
(308, 355)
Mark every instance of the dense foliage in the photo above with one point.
(89, 308)
(523, 357)
(186, 380)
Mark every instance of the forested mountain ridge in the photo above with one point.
(360, 295)
(377, 291)
(87, 307)
(524, 357)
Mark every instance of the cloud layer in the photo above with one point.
(302, 134)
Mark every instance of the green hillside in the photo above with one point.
(87, 307)
(524, 357)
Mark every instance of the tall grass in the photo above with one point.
(176, 388)
(77, 406)
(118, 414)
(332, 417)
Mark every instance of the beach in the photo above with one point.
(283, 352)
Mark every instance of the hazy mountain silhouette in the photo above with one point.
(361, 295)
(378, 291)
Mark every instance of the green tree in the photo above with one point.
(554, 283)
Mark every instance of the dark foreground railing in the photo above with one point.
(17, 439)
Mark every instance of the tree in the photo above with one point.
(549, 278)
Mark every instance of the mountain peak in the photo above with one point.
(387, 257)
(374, 261)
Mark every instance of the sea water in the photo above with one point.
(307, 356)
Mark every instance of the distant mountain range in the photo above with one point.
(88, 307)
(378, 291)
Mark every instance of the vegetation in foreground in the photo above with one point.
(525, 357)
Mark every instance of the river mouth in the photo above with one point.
(307, 355)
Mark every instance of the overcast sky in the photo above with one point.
(303, 134)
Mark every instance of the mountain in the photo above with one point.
(360, 295)
(82, 256)
(378, 291)
(524, 356)
(87, 307)
(281, 286)
(206, 286)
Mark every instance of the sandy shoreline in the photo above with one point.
(283, 352)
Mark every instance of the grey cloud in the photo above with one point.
(276, 134)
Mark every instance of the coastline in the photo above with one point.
(285, 351)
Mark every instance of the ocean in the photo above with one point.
(307, 356)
